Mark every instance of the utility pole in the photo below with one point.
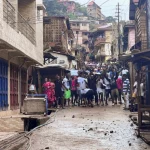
(118, 17)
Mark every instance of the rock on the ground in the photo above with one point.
(91, 129)
(111, 131)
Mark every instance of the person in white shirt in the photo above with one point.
(107, 88)
(81, 86)
(66, 89)
(125, 71)
(142, 89)
(100, 90)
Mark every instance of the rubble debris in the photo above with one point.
(131, 125)
(130, 144)
(134, 118)
(47, 148)
(91, 129)
(111, 131)
(73, 116)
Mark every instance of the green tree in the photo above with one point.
(110, 19)
(54, 8)
(72, 16)
(81, 9)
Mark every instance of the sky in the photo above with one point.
(109, 8)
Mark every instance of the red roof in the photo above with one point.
(91, 3)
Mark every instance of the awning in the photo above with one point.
(136, 46)
(142, 58)
(52, 66)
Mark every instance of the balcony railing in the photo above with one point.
(9, 14)
(100, 41)
(17, 22)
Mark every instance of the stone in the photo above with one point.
(131, 125)
(130, 144)
(46, 147)
(91, 129)
(111, 131)
(73, 116)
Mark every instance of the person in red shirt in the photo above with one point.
(119, 86)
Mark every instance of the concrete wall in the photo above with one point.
(20, 42)
(94, 11)
(108, 49)
(64, 58)
(108, 36)
(39, 32)
(17, 41)
(131, 38)
(84, 26)
(27, 8)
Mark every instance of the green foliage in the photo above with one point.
(72, 16)
(54, 8)
(110, 19)
(81, 9)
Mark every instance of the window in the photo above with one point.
(77, 32)
(84, 24)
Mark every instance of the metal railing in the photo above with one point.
(17, 22)
(25, 28)
(9, 14)
(99, 41)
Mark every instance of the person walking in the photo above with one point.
(67, 92)
(58, 92)
(81, 81)
(120, 86)
(100, 90)
(126, 91)
(92, 85)
(74, 90)
(48, 90)
(107, 87)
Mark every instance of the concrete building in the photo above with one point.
(129, 36)
(81, 31)
(68, 61)
(21, 45)
(102, 42)
(70, 5)
(94, 10)
(58, 40)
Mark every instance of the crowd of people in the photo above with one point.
(97, 86)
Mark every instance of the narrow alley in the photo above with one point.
(98, 128)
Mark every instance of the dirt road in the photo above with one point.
(99, 128)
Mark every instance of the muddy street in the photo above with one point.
(98, 128)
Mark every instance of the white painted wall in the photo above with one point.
(19, 41)
(64, 58)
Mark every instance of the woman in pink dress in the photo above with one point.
(49, 91)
